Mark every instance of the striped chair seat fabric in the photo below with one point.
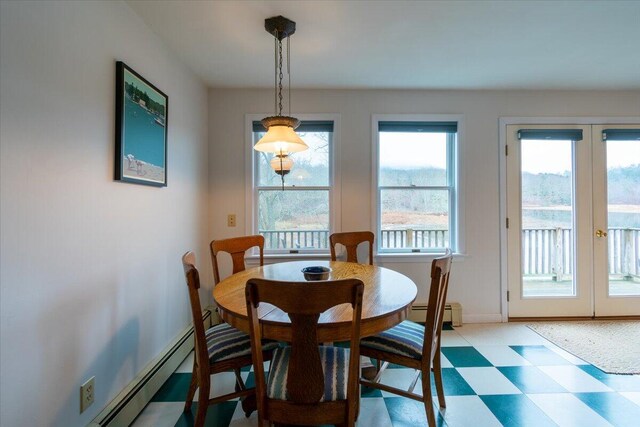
(405, 339)
(226, 342)
(335, 365)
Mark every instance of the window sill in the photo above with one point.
(415, 257)
(254, 260)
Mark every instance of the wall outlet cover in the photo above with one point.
(87, 394)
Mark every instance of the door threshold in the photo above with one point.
(570, 318)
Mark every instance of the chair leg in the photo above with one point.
(203, 403)
(428, 400)
(262, 422)
(437, 376)
(192, 389)
(352, 416)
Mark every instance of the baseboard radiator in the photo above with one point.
(452, 313)
(126, 406)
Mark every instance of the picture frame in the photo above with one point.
(142, 112)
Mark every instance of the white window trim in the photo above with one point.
(458, 235)
(251, 206)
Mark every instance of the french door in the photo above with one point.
(573, 208)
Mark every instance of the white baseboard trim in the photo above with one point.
(128, 404)
(482, 318)
(452, 313)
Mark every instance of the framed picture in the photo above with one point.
(141, 129)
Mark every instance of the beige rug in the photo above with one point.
(613, 346)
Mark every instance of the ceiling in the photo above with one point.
(408, 44)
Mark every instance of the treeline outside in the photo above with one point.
(547, 189)
(309, 209)
(290, 210)
(136, 94)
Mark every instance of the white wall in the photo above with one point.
(475, 280)
(91, 280)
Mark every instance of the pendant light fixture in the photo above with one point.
(281, 138)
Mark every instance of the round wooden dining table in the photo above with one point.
(387, 298)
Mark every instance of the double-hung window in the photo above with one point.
(417, 197)
(298, 218)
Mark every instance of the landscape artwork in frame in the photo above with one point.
(141, 129)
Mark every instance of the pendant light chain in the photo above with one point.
(281, 138)
(289, 70)
(280, 77)
(275, 72)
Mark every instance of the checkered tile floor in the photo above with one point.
(498, 374)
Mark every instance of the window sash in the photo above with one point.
(256, 162)
(305, 126)
(451, 174)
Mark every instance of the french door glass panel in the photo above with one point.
(549, 210)
(547, 218)
(623, 215)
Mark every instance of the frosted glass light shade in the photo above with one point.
(280, 139)
(284, 167)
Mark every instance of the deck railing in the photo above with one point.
(319, 239)
(549, 252)
(545, 251)
(296, 239)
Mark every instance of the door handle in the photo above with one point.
(601, 233)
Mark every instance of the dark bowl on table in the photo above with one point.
(316, 273)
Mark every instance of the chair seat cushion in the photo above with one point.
(405, 339)
(335, 365)
(226, 342)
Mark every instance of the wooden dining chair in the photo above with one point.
(351, 240)
(236, 247)
(308, 384)
(415, 346)
(218, 349)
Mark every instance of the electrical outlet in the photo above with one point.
(87, 394)
(231, 220)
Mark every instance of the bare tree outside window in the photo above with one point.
(297, 218)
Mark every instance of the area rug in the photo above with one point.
(612, 346)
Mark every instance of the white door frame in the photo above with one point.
(502, 130)
(605, 305)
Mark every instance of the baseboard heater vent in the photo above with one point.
(452, 313)
(126, 406)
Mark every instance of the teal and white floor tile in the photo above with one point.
(461, 409)
(501, 355)
(488, 380)
(633, 396)
(453, 339)
(373, 413)
(500, 334)
(493, 375)
(565, 354)
(613, 407)
(566, 409)
(574, 379)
